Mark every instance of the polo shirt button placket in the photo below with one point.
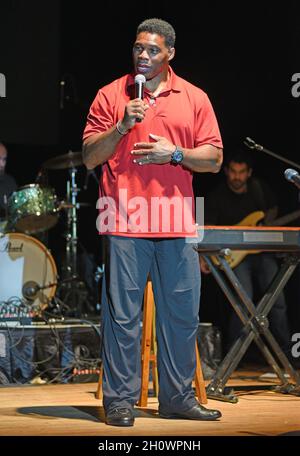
(152, 101)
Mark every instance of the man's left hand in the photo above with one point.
(158, 152)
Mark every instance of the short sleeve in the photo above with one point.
(100, 117)
(206, 128)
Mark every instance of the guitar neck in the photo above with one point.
(285, 219)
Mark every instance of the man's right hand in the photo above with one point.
(98, 148)
(135, 109)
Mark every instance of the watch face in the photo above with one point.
(177, 156)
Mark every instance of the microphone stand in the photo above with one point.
(89, 173)
(252, 145)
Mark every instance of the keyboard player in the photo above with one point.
(239, 195)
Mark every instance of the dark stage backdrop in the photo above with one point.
(245, 56)
(29, 60)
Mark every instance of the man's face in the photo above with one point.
(3, 157)
(237, 176)
(150, 54)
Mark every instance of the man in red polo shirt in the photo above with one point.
(149, 147)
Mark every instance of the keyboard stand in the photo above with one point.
(256, 326)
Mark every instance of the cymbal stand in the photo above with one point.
(71, 236)
(75, 292)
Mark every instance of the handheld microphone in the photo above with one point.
(139, 81)
(292, 176)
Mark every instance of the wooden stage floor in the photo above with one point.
(73, 410)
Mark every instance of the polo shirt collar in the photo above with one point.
(173, 82)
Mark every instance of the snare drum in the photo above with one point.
(24, 259)
(33, 209)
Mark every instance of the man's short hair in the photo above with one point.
(161, 27)
(239, 156)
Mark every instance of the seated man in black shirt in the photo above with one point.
(7, 186)
(233, 200)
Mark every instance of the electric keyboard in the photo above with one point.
(276, 239)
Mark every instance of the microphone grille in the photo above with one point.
(140, 78)
(290, 173)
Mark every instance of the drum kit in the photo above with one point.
(28, 270)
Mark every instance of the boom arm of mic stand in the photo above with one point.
(58, 282)
(252, 145)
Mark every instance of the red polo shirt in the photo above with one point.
(151, 200)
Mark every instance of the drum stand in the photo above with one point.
(73, 290)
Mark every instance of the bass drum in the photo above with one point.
(25, 263)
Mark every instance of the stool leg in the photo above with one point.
(99, 388)
(154, 356)
(199, 380)
(146, 343)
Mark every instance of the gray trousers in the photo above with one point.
(173, 265)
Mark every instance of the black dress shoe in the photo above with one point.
(120, 416)
(198, 412)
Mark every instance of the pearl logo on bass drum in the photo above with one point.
(11, 248)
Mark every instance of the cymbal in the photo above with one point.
(69, 160)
